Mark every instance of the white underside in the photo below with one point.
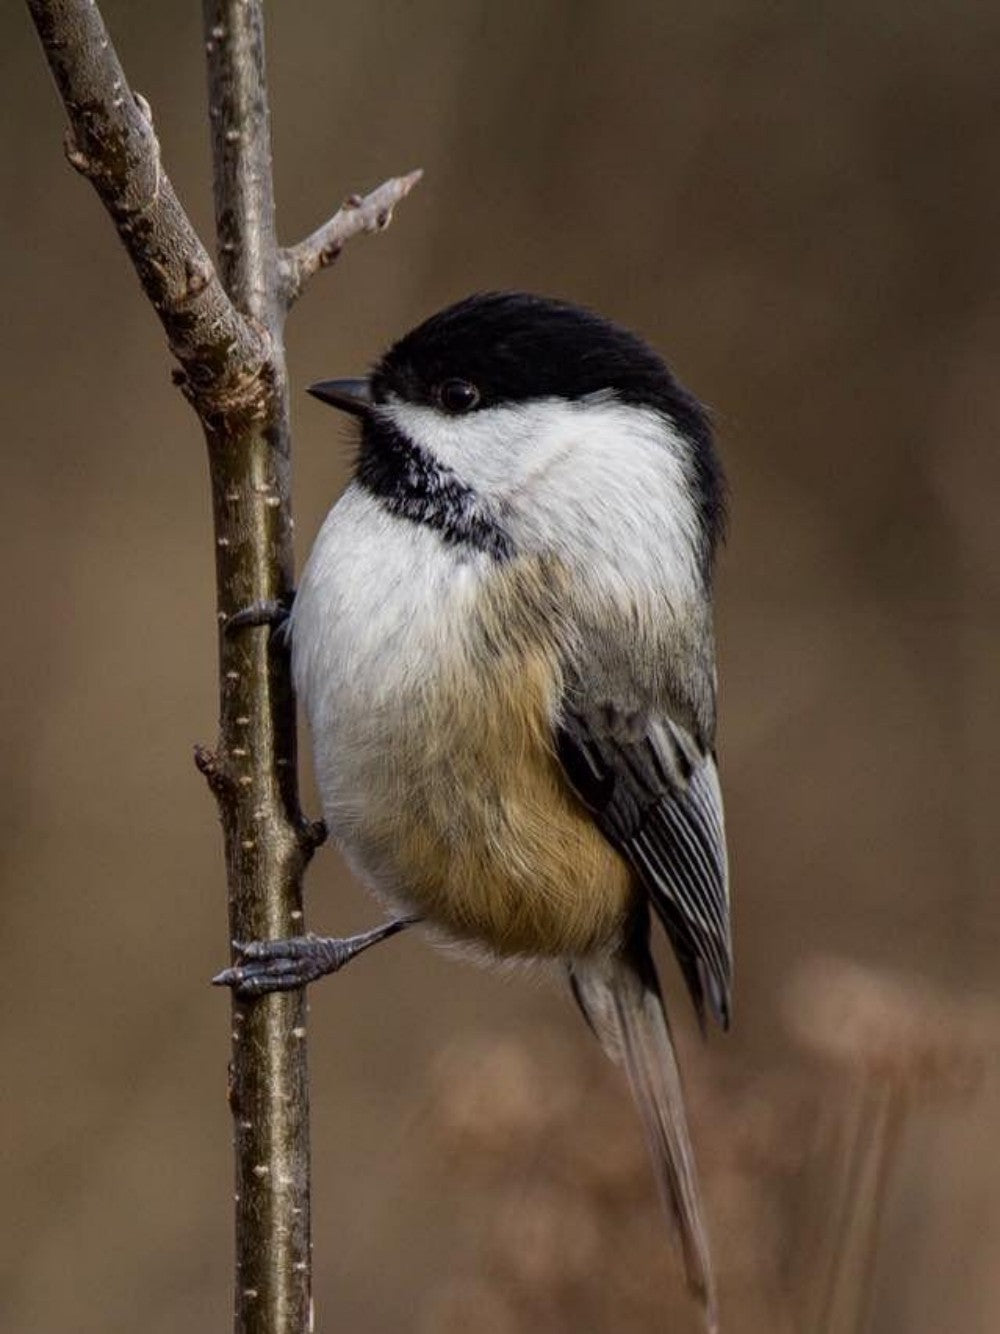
(381, 603)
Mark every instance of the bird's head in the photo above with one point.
(516, 423)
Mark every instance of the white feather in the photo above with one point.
(603, 484)
(382, 601)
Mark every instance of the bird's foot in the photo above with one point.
(269, 612)
(282, 965)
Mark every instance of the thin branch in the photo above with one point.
(356, 215)
(242, 174)
(268, 844)
(111, 140)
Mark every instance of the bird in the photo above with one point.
(503, 641)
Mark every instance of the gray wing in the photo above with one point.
(653, 791)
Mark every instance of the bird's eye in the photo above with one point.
(457, 396)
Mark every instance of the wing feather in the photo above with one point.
(654, 793)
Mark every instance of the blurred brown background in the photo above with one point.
(800, 205)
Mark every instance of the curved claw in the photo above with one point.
(272, 613)
(259, 977)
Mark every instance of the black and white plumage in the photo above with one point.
(503, 641)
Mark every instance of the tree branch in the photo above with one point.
(228, 337)
(356, 215)
(267, 848)
(111, 140)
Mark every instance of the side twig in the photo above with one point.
(356, 215)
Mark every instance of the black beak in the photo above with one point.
(353, 396)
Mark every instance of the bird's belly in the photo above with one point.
(431, 733)
(472, 821)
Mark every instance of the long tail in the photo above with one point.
(620, 998)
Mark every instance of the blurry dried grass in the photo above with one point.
(796, 1166)
(905, 1048)
(881, 1026)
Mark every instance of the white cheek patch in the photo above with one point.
(486, 449)
(606, 485)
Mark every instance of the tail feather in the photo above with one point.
(621, 1001)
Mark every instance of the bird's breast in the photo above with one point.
(431, 678)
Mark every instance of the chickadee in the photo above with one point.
(503, 643)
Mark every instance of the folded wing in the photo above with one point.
(654, 794)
